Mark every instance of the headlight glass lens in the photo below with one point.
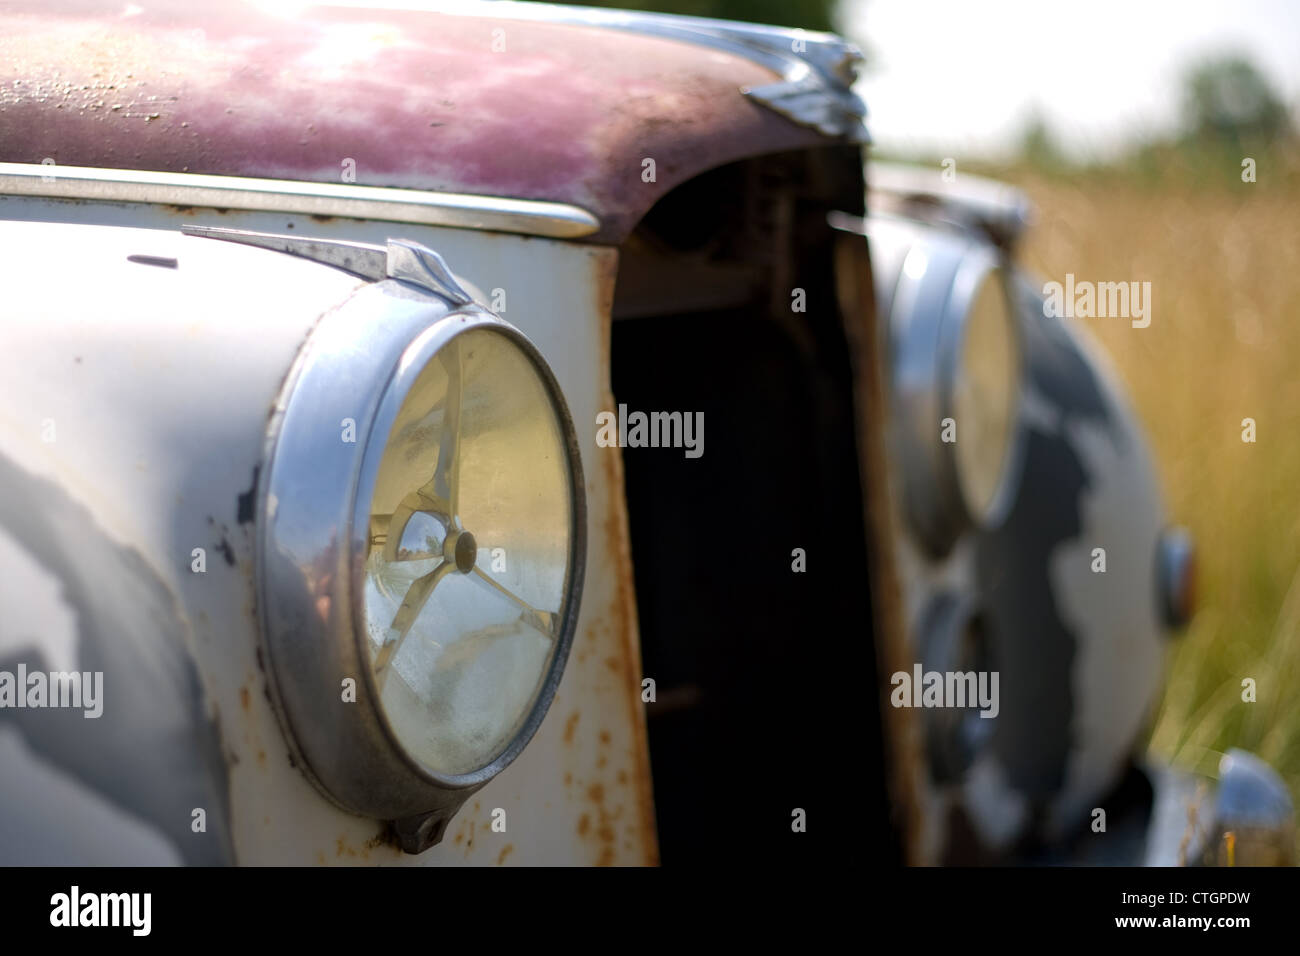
(985, 395)
(469, 550)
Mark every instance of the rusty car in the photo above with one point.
(324, 329)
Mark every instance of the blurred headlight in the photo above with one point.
(985, 392)
(956, 384)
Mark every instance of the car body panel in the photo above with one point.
(155, 452)
(565, 113)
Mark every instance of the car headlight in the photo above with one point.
(985, 389)
(958, 360)
(466, 490)
(421, 549)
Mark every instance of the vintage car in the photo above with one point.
(357, 367)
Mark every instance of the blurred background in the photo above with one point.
(1127, 124)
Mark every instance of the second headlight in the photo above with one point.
(958, 358)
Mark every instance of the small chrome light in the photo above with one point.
(958, 361)
(421, 547)
(1176, 576)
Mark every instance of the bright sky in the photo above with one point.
(951, 77)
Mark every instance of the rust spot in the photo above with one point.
(246, 501)
(584, 824)
(622, 778)
(244, 699)
(605, 834)
(568, 779)
(320, 858)
(261, 758)
(570, 726)
(596, 793)
(600, 762)
(342, 848)
(852, 261)
(606, 857)
(604, 736)
(622, 611)
(505, 852)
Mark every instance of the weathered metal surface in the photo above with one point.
(817, 69)
(903, 744)
(160, 381)
(419, 100)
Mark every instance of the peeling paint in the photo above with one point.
(155, 751)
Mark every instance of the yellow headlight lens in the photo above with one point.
(985, 395)
(470, 539)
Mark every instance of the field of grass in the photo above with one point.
(1223, 258)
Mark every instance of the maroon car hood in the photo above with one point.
(418, 100)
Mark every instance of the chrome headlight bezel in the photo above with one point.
(939, 282)
(313, 535)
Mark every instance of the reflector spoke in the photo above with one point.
(543, 621)
(424, 500)
(440, 494)
(416, 598)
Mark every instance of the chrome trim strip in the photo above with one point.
(391, 204)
